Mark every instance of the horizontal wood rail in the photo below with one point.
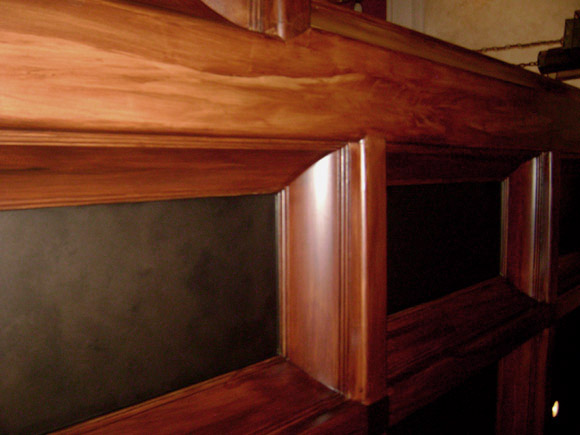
(419, 335)
(271, 396)
(56, 169)
(457, 363)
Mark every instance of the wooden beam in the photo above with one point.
(66, 68)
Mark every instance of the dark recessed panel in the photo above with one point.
(440, 238)
(468, 409)
(565, 378)
(105, 306)
(570, 207)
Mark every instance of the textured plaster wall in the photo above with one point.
(476, 24)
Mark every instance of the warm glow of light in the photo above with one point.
(555, 409)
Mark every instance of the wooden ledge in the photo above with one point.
(419, 334)
(437, 345)
(271, 396)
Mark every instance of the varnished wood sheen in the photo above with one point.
(420, 335)
(531, 249)
(424, 385)
(262, 398)
(41, 175)
(364, 375)
(204, 78)
(522, 390)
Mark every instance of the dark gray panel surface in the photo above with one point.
(105, 306)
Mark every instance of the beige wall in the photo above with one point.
(483, 23)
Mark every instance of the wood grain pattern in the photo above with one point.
(331, 18)
(41, 175)
(458, 363)
(522, 390)
(415, 164)
(65, 67)
(267, 396)
(365, 307)
(530, 245)
(312, 284)
(420, 335)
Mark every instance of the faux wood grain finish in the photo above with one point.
(522, 394)
(420, 335)
(205, 78)
(332, 18)
(364, 374)
(267, 397)
(312, 284)
(415, 164)
(41, 175)
(452, 367)
(530, 245)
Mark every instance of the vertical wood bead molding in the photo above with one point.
(333, 270)
(365, 370)
(522, 394)
(528, 233)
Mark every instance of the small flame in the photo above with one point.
(555, 409)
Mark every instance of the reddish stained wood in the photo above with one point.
(40, 176)
(332, 18)
(311, 272)
(65, 67)
(458, 363)
(530, 246)
(420, 335)
(365, 307)
(416, 164)
(522, 394)
(259, 399)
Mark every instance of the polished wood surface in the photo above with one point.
(420, 335)
(522, 388)
(332, 18)
(530, 246)
(269, 396)
(49, 175)
(427, 383)
(94, 76)
(364, 322)
(415, 164)
(312, 284)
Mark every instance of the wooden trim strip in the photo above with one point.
(341, 21)
(261, 398)
(419, 336)
(456, 364)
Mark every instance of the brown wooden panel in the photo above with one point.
(529, 242)
(65, 67)
(364, 322)
(331, 18)
(420, 335)
(38, 176)
(522, 390)
(259, 399)
(415, 164)
(457, 363)
(468, 408)
(311, 279)
(567, 302)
